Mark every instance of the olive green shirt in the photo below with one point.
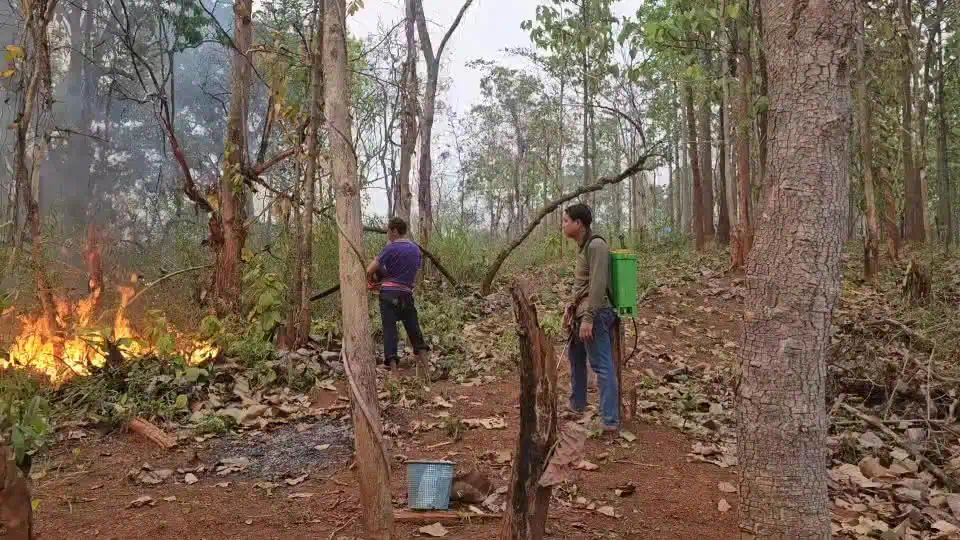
(591, 279)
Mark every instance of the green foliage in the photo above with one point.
(25, 414)
(265, 292)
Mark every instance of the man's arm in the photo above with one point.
(373, 269)
(598, 256)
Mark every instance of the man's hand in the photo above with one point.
(586, 331)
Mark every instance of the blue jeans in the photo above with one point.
(398, 306)
(600, 353)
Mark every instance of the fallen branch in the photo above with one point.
(404, 516)
(553, 205)
(877, 423)
(323, 294)
(152, 432)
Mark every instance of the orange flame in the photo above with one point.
(60, 356)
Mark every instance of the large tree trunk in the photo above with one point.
(699, 228)
(299, 325)
(943, 169)
(914, 230)
(871, 250)
(229, 235)
(793, 274)
(409, 89)
(373, 470)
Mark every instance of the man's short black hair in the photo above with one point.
(580, 212)
(398, 225)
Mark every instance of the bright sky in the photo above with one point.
(488, 28)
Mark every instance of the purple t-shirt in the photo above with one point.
(400, 261)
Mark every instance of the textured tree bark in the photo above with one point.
(409, 89)
(871, 249)
(913, 193)
(528, 503)
(699, 228)
(793, 273)
(373, 473)
(229, 235)
(299, 329)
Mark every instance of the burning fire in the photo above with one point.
(61, 355)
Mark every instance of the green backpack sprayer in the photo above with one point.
(623, 279)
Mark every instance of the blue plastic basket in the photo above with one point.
(429, 484)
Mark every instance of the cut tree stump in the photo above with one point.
(916, 283)
(527, 502)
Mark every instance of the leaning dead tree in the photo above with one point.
(528, 501)
(550, 207)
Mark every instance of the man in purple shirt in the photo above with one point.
(397, 267)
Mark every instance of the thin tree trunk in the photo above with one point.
(373, 469)
(723, 221)
(913, 192)
(744, 236)
(943, 169)
(729, 70)
(871, 250)
(299, 329)
(585, 66)
(425, 188)
(793, 277)
(922, 169)
(705, 136)
(230, 233)
(699, 228)
(763, 116)
(38, 95)
(890, 220)
(409, 89)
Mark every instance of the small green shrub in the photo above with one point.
(25, 413)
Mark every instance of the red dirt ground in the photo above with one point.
(84, 492)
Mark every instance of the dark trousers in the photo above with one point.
(398, 306)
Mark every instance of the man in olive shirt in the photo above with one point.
(591, 318)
